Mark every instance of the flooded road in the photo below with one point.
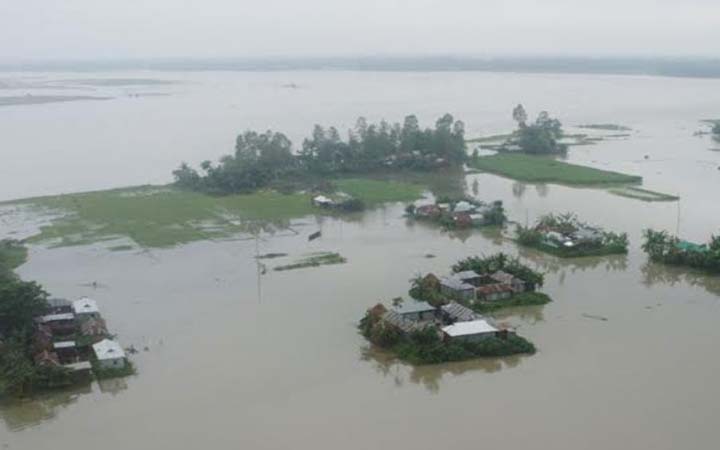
(236, 359)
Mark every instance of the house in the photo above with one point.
(479, 219)
(86, 308)
(457, 289)
(463, 207)
(47, 359)
(514, 282)
(588, 236)
(494, 292)
(323, 202)
(455, 312)
(109, 354)
(59, 306)
(462, 219)
(94, 328)
(691, 247)
(554, 239)
(65, 350)
(428, 211)
(415, 311)
(59, 323)
(469, 277)
(473, 331)
(401, 323)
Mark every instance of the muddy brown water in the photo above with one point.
(241, 360)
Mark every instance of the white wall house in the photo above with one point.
(110, 354)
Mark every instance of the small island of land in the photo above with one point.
(664, 248)
(565, 236)
(459, 213)
(446, 320)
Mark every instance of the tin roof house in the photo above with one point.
(457, 289)
(109, 354)
(85, 308)
(472, 331)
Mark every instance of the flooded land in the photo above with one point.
(236, 354)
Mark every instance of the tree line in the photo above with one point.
(266, 159)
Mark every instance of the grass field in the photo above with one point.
(162, 216)
(538, 169)
(12, 255)
(643, 194)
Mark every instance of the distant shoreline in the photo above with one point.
(667, 66)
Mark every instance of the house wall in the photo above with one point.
(474, 337)
(117, 363)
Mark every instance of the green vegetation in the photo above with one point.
(160, 216)
(13, 254)
(521, 299)
(565, 236)
(315, 260)
(425, 346)
(663, 248)
(491, 138)
(107, 373)
(605, 127)
(501, 262)
(539, 138)
(643, 194)
(20, 302)
(120, 248)
(267, 160)
(539, 169)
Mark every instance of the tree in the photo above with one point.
(20, 302)
(520, 116)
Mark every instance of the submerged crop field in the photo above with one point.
(537, 169)
(164, 216)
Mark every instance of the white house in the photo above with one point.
(474, 330)
(110, 354)
(86, 307)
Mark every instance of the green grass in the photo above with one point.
(491, 138)
(163, 216)
(522, 299)
(538, 169)
(13, 254)
(644, 194)
(374, 192)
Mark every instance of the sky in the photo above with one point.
(126, 29)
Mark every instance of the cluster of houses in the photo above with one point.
(583, 235)
(71, 334)
(470, 287)
(453, 321)
(340, 201)
(463, 213)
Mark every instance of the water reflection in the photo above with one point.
(564, 266)
(19, 414)
(431, 376)
(660, 274)
(518, 189)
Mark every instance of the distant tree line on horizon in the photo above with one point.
(267, 159)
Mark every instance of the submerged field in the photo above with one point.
(163, 216)
(538, 169)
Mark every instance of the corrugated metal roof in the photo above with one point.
(107, 349)
(408, 326)
(57, 317)
(460, 313)
(64, 344)
(466, 275)
(413, 307)
(85, 306)
(456, 284)
(471, 328)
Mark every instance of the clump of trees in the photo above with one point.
(539, 138)
(667, 249)
(267, 159)
(716, 131)
(501, 261)
(20, 302)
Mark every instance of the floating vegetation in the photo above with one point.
(271, 255)
(120, 248)
(315, 260)
(605, 127)
(643, 194)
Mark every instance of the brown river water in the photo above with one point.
(236, 359)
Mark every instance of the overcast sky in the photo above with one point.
(107, 29)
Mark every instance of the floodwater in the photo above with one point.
(236, 359)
